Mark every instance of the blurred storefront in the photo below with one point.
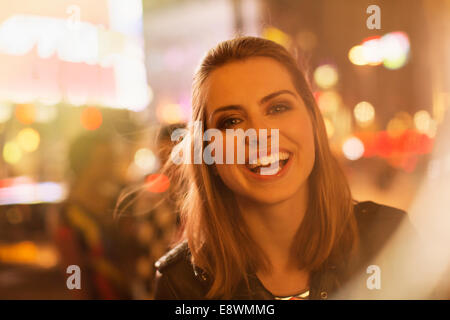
(125, 68)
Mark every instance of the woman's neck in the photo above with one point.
(274, 226)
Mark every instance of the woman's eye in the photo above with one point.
(278, 108)
(227, 123)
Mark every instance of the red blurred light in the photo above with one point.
(370, 38)
(157, 183)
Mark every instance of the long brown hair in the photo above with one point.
(212, 224)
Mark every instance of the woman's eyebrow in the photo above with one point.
(275, 94)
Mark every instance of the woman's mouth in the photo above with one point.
(270, 165)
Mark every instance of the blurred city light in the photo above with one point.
(157, 183)
(353, 148)
(29, 192)
(12, 152)
(91, 118)
(277, 36)
(392, 50)
(356, 56)
(395, 46)
(26, 113)
(364, 113)
(98, 61)
(28, 139)
(329, 101)
(372, 50)
(145, 159)
(326, 76)
(27, 252)
(424, 123)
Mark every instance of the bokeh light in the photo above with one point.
(395, 49)
(145, 159)
(157, 183)
(392, 50)
(276, 35)
(329, 101)
(91, 118)
(326, 76)
(25, 113)
(356, 56)
(422, 121)
(372, 51)
(353, 148)
(5, 112)
(28, 139)
(12, 152)
(364, 113)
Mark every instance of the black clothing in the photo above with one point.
(177, 278)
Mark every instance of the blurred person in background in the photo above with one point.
(86, 234)
(294, 234)
(153, 220)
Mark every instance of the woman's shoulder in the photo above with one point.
(372, 215)
(177, 277)
(378, 223)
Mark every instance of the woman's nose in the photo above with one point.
(264, 132)
(258, 122)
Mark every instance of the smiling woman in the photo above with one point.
(295, 233)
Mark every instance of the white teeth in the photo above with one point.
(270, 171)
(266, 160)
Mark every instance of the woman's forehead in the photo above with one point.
(246, 81)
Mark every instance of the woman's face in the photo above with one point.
(258, 93)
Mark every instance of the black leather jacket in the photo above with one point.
(177, 278)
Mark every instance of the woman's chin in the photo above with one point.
(270, 196)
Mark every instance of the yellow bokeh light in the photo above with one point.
(422, 121)
(28, 139)
(356, 56)
(276, 35)
(326, 76)
(329, 101)
(364, 113)
(12, 152)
